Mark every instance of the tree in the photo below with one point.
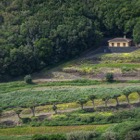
(18, 111)
(92, 98)
(116, 96)
(137, 89)
(33, 110)
(109, 77)
(1, 110)
(136, 33)
(32, 105)
(105, 98)
(28, 79)
(71, 31)
(54, 108)
(82, 102)
(127, 92)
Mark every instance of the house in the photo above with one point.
(120, 42)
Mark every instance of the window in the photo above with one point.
(124, 44)
(112, 44)
(118, 44)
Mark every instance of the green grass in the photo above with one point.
(111, 65)
(120, 57)
(15, 137)
(20, 85)
(17, 131)
(89, 67)
(98, 63)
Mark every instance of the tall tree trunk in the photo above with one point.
(93, 104)
(33, 111)
(19, 116)
(117, 101)
(56, 111)
(82, 106)
(106, 103)
(127, 100)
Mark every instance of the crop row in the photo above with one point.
(62, 95)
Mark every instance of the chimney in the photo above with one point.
(124, 36)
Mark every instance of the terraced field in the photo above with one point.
(125, 66)
(74, 81)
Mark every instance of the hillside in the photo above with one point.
(91, 65)
(57, 81)
(60, 100)
(112, 109)
(39, 33)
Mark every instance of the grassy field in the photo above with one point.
(15, 137)
(22, 133)
(44, 130)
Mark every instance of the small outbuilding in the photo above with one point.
(120, 42)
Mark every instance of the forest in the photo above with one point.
(38, 33)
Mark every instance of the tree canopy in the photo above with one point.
(38, 33)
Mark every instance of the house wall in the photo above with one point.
(119, 44)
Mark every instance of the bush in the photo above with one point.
(133, 135)
(28, 79)
(126, 129)
(56, 137)
(39, 137)
(26, 120)
(128, 114)
(81, 135)
(109, 77)
(87, 119)
(110, 136)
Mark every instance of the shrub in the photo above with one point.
(126, 114)
(57, 137)
(133, 135)
(28, 79)
(87, 119)
(26, 120)
(109, 77)
(81, 135)
(39, 137)
(126, 128)
(110, 136)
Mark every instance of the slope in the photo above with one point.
(91, 65)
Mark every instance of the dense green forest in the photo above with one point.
(38, 33)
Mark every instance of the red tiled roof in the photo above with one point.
(120, 40)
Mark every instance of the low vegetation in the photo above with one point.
(33, 98)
